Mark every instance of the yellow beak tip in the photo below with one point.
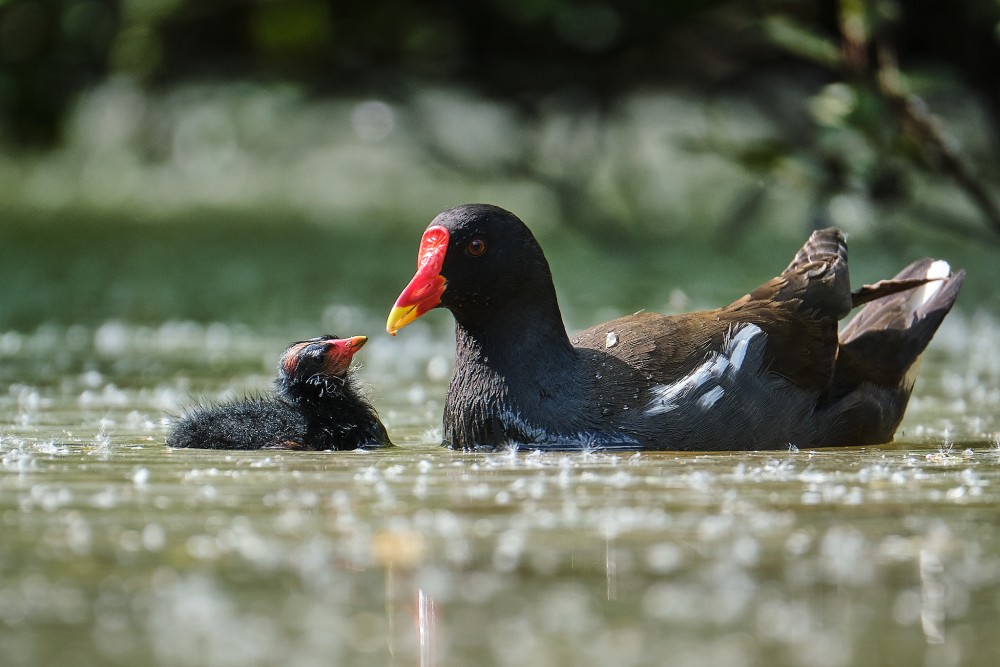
(399, 317)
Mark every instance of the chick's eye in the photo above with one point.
(476, 247)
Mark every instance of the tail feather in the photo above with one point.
(884, 288)
(912, 291)
(880, 350)
(911, 310)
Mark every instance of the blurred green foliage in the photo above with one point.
(862, 128)
(240, 268)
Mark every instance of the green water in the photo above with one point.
(117, 551)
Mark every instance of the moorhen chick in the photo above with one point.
(767, 371)
(316, 406)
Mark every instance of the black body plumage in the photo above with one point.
(315, 406)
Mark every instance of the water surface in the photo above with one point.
(118, 551)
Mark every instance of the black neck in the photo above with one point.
(511, 375)
(515, 322)
(521, 339)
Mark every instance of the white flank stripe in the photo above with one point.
(719, 369)
(709, 399)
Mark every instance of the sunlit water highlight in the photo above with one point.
(118, 551)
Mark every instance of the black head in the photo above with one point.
(477, 261)
(317, 366)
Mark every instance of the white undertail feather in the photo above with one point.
(939, 269)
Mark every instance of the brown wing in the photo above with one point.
(665, 346)
(823, 246)
(799, 310)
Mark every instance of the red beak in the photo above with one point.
(337, 353)
(338, 356)
(425, 289)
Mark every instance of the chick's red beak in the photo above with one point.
(425, 289)
(340, 351)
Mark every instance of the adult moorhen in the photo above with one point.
(765, 372)
(316, 406)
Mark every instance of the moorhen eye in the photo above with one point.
(476, 247)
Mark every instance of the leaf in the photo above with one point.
(797, 39)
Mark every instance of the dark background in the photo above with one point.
(50, 50)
